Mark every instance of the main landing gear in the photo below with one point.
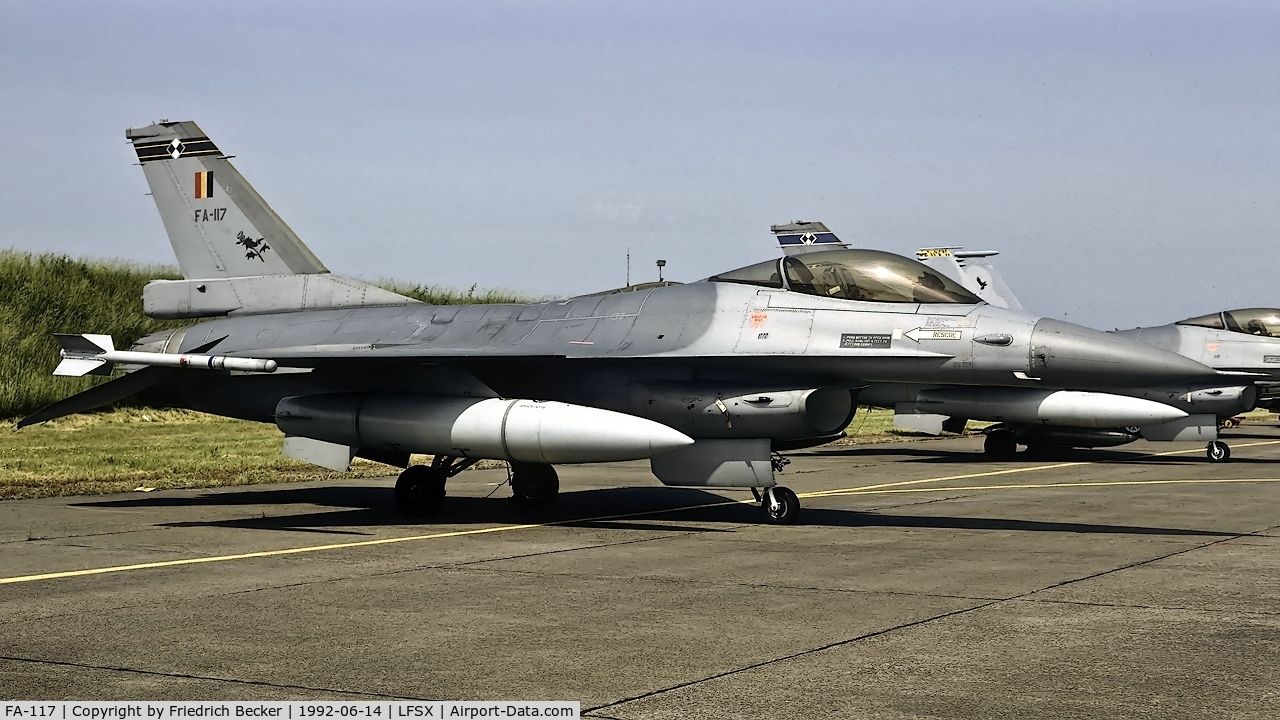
(420, 488)
(1218, 451)
(534, 484)
(1001, 445)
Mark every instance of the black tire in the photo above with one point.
(420, 491)
(534, 484)
(1218, 451)
(781, 506)
(1001, 445)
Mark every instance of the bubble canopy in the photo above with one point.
(1251, 321)
(867, 275)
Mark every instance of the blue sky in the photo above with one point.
(1122, 156)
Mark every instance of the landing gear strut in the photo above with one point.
(1001, 445)
(534, 484)
(1218, 451)
(420, 488)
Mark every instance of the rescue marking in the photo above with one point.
(919, 334)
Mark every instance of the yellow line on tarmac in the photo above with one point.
(1200, 449)
(1029, 486)
(260, 554)
(345, 545)
(866, 489)
(1009, 471)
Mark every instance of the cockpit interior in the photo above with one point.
(1251, 321)
(867, 275)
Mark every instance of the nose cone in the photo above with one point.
(1073, 356)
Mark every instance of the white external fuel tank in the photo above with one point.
(493, 428)
(1071, 408)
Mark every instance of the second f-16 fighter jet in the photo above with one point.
(1243, 345)
(708, 380)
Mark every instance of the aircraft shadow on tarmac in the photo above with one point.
(615, 508)
(1247, 436)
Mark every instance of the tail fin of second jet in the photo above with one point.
(804, 237)
(974, 270)
(218, 224)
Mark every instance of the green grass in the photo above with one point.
(132, 448)
(44, 294)
(436, 295)
(872, 425)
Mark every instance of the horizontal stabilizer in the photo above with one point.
(100, 395)
(216, 297)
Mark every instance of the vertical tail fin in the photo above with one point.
(973, 270)
(217, 223)
(803, 237)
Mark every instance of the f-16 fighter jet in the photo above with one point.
(1244, 345)
(708, 380)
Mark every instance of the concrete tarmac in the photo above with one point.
(922, 581)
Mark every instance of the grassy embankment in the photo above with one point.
(44, 294)
(127, 448)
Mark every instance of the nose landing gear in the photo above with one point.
(781, 506)
(1218, 451)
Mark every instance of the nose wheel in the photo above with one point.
(781, 506)
(1218, 451)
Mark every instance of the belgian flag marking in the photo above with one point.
(204, 184)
